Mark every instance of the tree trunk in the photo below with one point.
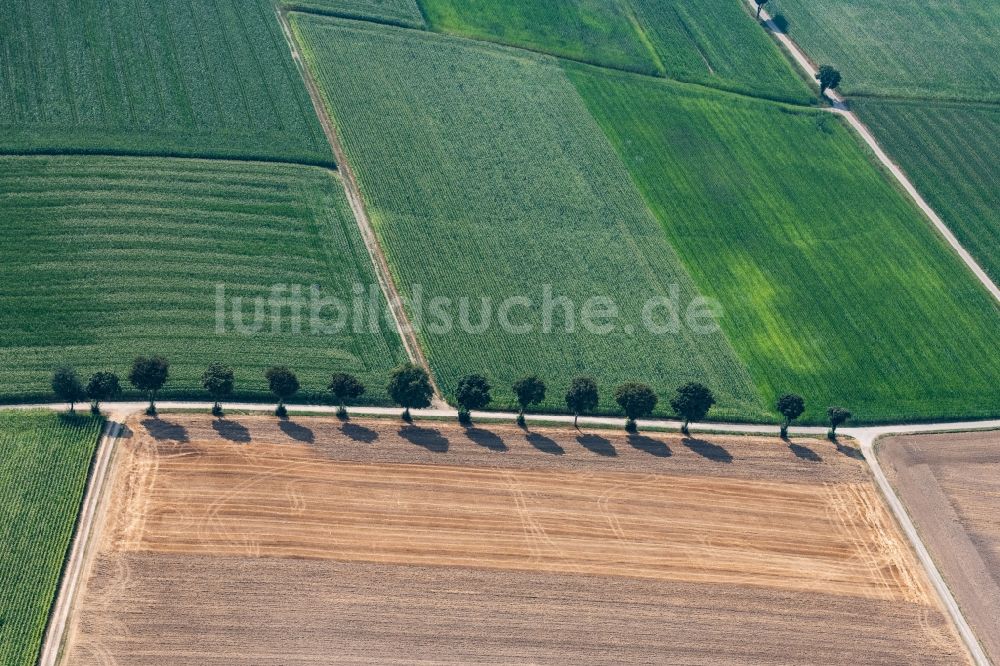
(406, 414)
(758, 10)
(576, 420)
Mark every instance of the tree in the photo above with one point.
(149, 374)
(637, 401)
(581, 397)
(760, 6)
(410, 388)
(529, 391)
(837, 417)
(791, 407)
(283, 384)
(219, 381)
(473, 393)
(692, 402)
(345, 387)
(67, 387)
(828, 77)
(102, 386)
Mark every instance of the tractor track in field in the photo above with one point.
(382, 272)
(841, 109)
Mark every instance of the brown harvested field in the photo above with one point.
(254, 541)
(950, 484)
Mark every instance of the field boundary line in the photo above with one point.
(840, 108)
(70, 152)
(82, 544)
(382, 272)
(909, 529)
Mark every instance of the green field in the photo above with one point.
(44, 458)
(834, 286)
(106, 258)
(943, 49)
(602, 32)
(951, 152)
(396, 12)
(486, 176)
(167, 77)
(718, 43)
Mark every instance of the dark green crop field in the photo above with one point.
(109, 258)
(951, 152)
(834, 285)
(486, 177)
(211, 78)
(44, 459)
(944, 49)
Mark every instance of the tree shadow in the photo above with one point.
(299, 433)
(804, 453)
(651, 446)
(76, 419)
(544, 444)
(708, 450)
(780, 23)
(231, 430)
(849, 451)
(359, 433)
(485, 438)
(165, 430)
(428, 438)
(597, 444)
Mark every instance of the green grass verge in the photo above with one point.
(485, 176)
(834, 286)
(718, 43)
(945, 48)
(44, 460)
(404, 13)
(601, 32)
(951, 152)
(105, 258)
(174, 78)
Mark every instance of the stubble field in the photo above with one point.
(950, 484)
(375, 542)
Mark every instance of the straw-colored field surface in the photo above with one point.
(308, 541)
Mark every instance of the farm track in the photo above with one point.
(381, 264)
(840, 108)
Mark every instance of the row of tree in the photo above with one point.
(410, 387)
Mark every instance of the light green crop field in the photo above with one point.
(163, 77)
(718, 43)
(951, 152)
(44, 460)
(943, 49)
(485, 176)
(395, 12)
(106, 258)
(602, 32)
(834, 286)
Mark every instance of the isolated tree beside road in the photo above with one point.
(581, 397)
(529, 391)
(149, 374)
(410, 388)
(345, 387)
(219, 381)
(760, 6)
(636, 400)
(692, 402)
(473, 393)
(283, 384)
(828, 77)
(102, 386)
(837, 416)
(791, 407)
(67, 387)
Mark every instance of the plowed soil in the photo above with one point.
(950, 484)
(249, 540)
